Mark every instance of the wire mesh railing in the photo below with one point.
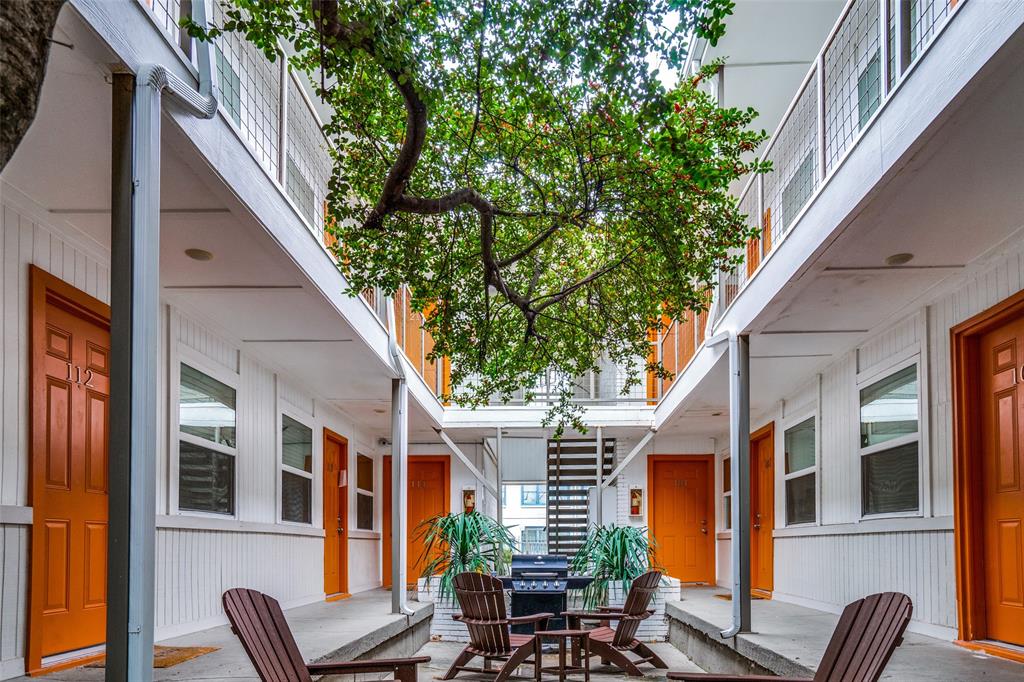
(869, 50)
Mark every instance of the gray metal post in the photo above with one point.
(497, 465)
(739, 447)
(134, 286)
(598, 503)
(399, 493)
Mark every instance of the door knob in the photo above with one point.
(757, 526)
(704, 530)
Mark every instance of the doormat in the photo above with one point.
(167, 656)
(728, 597)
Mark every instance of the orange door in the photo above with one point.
(682, 516)
(1002, 419)
(70, 397)
(428, 483)
(762, 509)
(335, 514)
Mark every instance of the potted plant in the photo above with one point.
(614, 556)
(457, 543)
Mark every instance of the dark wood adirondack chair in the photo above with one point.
(482, 600)
(868, 632)
(613, 644)
(259, 622)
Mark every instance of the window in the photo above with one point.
(889, 441)
(364, 492)
(206, 443)
(800, 473)
(533, 495)
(296, 471)
(727, 491)
(534, 540)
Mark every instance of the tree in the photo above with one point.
(26, 27)
(538, 172)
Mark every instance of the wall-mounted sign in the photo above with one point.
(636, 501)
(469, 500)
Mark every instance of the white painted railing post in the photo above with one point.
(760, 213)
(282, 136)
(820, 118)
(884, 16)
(903, 43)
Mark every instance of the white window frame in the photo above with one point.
(865, 379)
(726, 496)
(186, 356)
(284, 408)
(815, 469)
(372, 494)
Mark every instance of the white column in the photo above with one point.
(399, 494)
(739, 447)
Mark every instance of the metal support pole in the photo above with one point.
(599, 489)
(399, 496)
(497, 466)
(739, 446)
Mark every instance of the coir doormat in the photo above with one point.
(168, 656)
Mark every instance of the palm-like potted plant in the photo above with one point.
(615, 556)
(457, 543)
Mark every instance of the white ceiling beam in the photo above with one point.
(468, 462)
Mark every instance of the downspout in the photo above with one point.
(399, 469)
(135, 299)
(739, 446)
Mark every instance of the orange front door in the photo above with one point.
(762, 509)
(682, 516)
(70, 399)
(1002, 429)
(335, 514)
(429, 478)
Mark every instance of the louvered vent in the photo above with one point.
(572, 469)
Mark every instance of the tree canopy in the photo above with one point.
(539, 173)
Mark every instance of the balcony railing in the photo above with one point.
(853, 75)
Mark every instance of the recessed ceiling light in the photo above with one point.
(899, 259)
(716, 414)
(379, 410)
(199, 254)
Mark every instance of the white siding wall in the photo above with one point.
(848, 557)
(195, 564)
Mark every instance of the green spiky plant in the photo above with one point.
(457, 543)
(612, 553)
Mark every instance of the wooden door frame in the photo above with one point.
(710, 461)
(343, 502)
(45, 288)
(766, 432)
(968, 533)
(385, 550)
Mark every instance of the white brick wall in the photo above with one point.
(655, 628)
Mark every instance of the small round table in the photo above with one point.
(563, 668)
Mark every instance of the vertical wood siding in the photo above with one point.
(13, 596)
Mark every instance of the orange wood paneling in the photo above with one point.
(69, 416)
(766, 232)
(335, 508)
(429, 488)
(681, 515)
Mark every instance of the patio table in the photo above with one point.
(563, 668)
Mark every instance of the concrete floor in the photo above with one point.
(341, 630)
(799, 635)
(443, 653)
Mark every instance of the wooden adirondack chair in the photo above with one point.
(259, 622)
(613, 644)
(868, 632)
(482, 600)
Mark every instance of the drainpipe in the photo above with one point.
(739, 445)
(399, 470)
(134, 332)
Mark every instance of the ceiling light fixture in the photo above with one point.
(199, 254)
(379, 410)
(899, 259)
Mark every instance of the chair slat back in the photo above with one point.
(482, 598)
(868, 632)
(641, 592)
(259, 622)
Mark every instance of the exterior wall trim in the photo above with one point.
(870, 526)
(191, 522)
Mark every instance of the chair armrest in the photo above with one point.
(596, 615)
(531, 618)
(382, 665)
(705, 677)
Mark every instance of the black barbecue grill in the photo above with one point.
(538, 583)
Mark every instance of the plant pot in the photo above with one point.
(654, 628)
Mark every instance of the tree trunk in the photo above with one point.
(25, 30)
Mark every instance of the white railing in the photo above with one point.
(852, 76)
